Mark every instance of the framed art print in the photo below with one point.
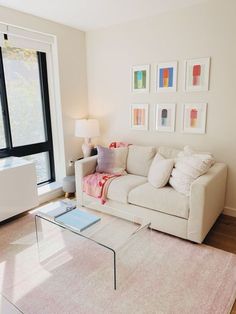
(140, 78)
(197, 74)
(194, 118)
(165, 117)
(166, 77)
(139, 116)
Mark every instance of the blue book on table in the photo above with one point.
(77, 219)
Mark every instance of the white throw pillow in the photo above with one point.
(160, 170)
(188, 167)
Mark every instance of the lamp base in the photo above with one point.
(87, 148)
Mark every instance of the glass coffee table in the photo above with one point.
(112, 231)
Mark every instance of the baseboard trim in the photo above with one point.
(230, 211)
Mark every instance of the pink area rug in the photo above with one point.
(156, 274)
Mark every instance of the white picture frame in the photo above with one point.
(166, 77)
(197, 73)
(140, 78)
(194, 117)
(139, 116)
(165, 117)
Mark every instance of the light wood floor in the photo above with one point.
(223, 236)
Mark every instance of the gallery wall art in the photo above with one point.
(166, 77)
(139, 116)
(140, 79)
(165, 117)
(194, 118)
(197, 74)
(194, 115)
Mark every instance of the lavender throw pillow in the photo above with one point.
(112, 160)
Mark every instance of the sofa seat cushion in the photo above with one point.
(165, 200)
(120, 187)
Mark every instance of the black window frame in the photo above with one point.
(31, 149)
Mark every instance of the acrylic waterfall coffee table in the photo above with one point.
(111, 232)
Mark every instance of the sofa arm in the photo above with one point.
(207, 197)
(83, 167)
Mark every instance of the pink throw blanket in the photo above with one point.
(96, 184)
(119, 144)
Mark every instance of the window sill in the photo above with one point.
(49, 191)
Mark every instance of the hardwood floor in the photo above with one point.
(223, 236)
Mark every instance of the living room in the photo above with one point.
(150, 83)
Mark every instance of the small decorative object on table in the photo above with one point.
(69, 186)
(77, 219)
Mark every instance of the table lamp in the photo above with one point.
(87, 128)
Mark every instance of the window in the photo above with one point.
(25, 123)
(2, 132)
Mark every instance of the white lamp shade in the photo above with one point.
(87, 128)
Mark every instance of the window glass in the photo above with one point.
(2, 133)
(42, 166)
(25, 125)
(24, 96)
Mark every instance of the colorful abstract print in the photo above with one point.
(140, 79)
(164, 117)
(138, 117)
(166, 77)
(193, 118)
(196, 75)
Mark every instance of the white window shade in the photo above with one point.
(21, 38)
(1, 40)
(3, 30)
(24, 43)
(20, 32)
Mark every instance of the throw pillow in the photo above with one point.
(112, 160)
(188, 167)
(160, 170)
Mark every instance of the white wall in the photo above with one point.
(72, 70)
(205, 30)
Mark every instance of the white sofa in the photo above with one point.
(169, 211)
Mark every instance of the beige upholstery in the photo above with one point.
(168, 152)
(207, 198)
(120, 187)
(165, 200)
(139, 159)
(166, 209)
(159, 221)
(83, 167)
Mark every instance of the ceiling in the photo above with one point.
(93, 14)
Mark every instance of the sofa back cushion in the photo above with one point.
(168, 152)
(139, 159)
